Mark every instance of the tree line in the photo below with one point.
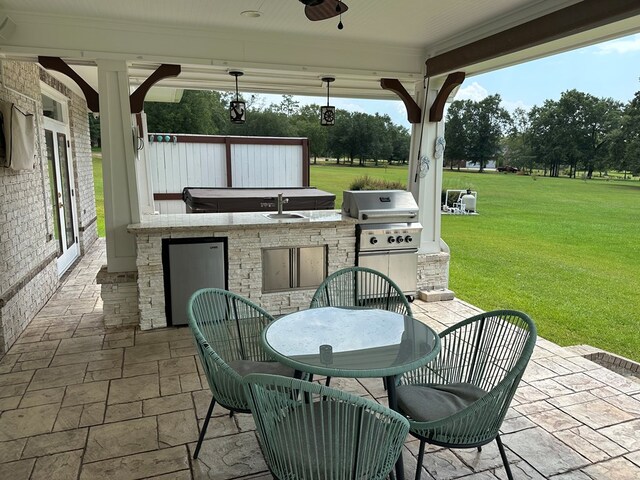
(356, 138)
(578, 132)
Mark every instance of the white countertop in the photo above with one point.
(226, 221)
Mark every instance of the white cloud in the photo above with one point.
(346, 104)
(474, 91)
(626, 45)
(510, 106)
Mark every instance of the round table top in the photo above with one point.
(350, 342)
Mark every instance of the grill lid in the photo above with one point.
(379, 206)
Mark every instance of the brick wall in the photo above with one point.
(244, 263)
(28, 270)
(83, 163)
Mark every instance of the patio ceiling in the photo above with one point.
(281, 51)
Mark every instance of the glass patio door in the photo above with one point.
(63, 199)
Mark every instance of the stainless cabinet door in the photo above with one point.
(376, 260)
(312, 266)
(403, 269)
(276, 269)
(193, 266)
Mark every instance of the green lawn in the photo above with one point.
(565, 251)
(97, 186)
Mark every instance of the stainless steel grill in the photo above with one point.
(388, 235)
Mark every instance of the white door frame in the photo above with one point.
(68, 249)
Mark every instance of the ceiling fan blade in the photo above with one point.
(326, 9)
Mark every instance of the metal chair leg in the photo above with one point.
(327, 381)
(420, 459)
(504, 458)
(204, 427)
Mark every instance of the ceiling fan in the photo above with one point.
(323, 9)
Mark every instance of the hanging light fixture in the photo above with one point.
(339, 11)
(328, 113)
(237, 108)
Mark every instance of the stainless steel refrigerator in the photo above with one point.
(189, 265)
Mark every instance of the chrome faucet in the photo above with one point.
(281, 202)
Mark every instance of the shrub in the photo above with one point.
(370, 183)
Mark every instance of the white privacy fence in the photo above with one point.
(178, 161)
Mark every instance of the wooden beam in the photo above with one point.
(136, 99)
(574, 19)
(437, 109)
(414, 112)
(59, 65)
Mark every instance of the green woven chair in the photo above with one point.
(361, 287)
(227, 330)
(459, 399)
(328, 435)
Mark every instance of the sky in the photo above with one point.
(609, 69)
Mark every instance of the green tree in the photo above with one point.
(288, 106)
(400, 139)
(307, 124)
(573, 131)
(632, 134)
(198, 112)
(516, 149)
(455, 133)
(476, 131)
(94, 130)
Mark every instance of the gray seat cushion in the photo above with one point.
(245, 367)
(426, 403)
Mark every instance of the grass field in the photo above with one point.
(565, 251)
(98, 188)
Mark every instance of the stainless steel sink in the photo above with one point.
(284, 215)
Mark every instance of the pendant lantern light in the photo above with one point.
(237, 108)
(328, 113)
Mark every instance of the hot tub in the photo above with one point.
(213, 200)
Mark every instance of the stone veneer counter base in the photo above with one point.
(247, 234)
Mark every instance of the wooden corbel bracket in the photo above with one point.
(413, 110)
(59, 65)
(453, 80)
(136, 99)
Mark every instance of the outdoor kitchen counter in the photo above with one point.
(233, 220)
(248, 236)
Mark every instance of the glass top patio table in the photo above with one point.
(350, 342)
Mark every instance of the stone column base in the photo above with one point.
(433, 271)
(119, 292)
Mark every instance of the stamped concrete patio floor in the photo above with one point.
(79, 400)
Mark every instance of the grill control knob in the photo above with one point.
(400, 239)
(391, 239)
(373, 240)
(408, 239)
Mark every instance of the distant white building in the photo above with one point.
(491, 165)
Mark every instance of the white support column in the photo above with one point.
(143, 170)
(426, 187)
(121, 206)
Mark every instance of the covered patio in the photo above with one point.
(80, 400)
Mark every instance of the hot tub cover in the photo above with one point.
(213, 200)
